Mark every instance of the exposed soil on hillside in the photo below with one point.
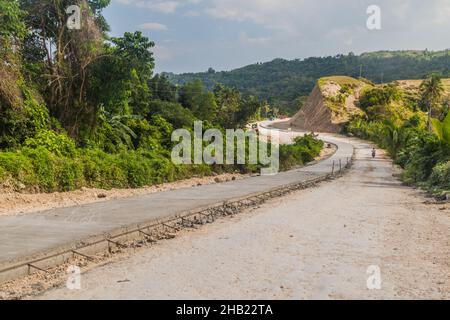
(328, 108)
(315, 115)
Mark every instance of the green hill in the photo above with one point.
(282, 81)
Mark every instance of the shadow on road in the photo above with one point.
(371, 184)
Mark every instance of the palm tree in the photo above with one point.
(431, 91)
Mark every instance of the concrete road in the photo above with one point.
(28, 235)
(314, 244)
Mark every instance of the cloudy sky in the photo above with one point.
(193, 35)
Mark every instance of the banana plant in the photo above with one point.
(442, 129)
(395, 138)
(118, 124)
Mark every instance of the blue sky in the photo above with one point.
(193, 35)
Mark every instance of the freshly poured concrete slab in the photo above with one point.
(29, 234)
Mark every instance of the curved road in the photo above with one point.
(313, 244)
(28, 236)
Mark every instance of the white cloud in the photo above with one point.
(192, 13)
(246, 39)
(311, 19)
(237, 30)
(293, 16)
(163, 53)
(277, 14)
(153, 26)
(163, 6)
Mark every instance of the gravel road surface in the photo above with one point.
(312, 244)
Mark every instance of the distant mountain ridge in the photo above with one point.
(282, 81)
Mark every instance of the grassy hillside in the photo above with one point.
(282, 82)
(338, 99)
(412, 86)
(341, 93)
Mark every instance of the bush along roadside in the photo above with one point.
(414, 128)
(305, 149)
(50, 162)
(423, 156)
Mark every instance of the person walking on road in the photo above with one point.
(374, 153)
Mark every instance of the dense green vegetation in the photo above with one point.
(305, 149)
(79, 108)
(415, 130)
(283, 83)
